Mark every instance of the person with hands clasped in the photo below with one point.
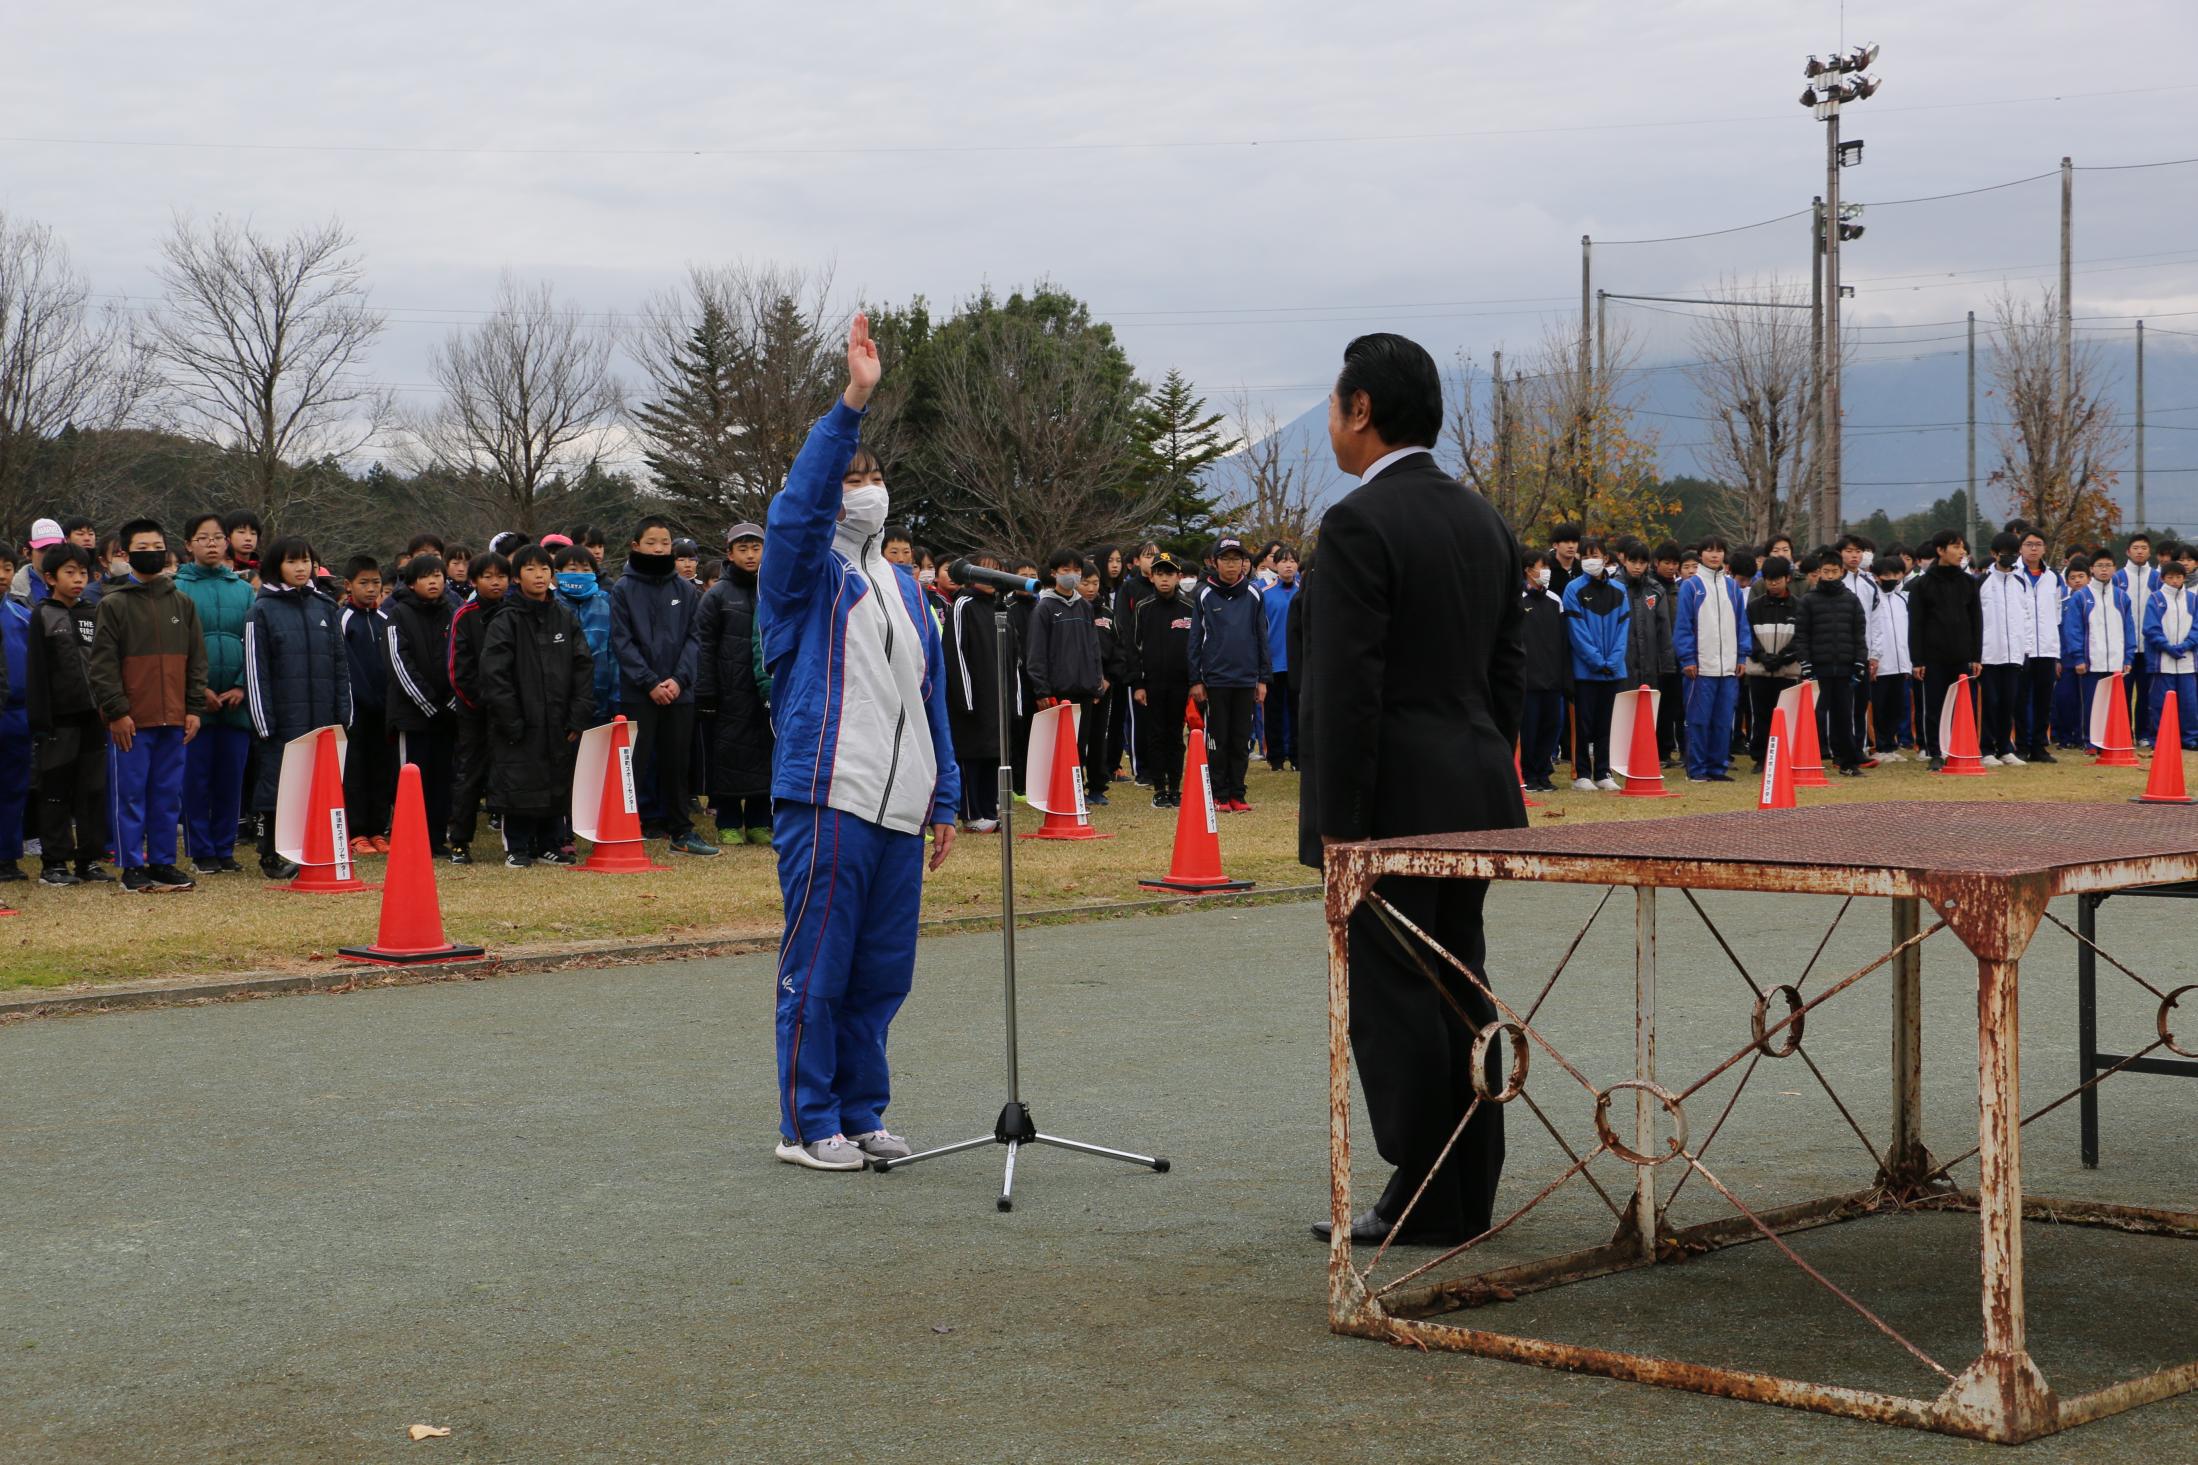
(863, 763)
(2171, 647)
(1229, 667)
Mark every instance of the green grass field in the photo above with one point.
(241, 923)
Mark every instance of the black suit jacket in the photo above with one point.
(1414, 664)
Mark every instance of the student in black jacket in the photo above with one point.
(1773, 663)
(970, 647)
(1548, 674)
(537, 689)
(1945, 631)
(1229, 667)
(297, 676)
(1062, 655)
(369, 769)
(469, 628)
(1098, 739)
(1832, 638)
(420, 710)
(1160, 678)
(1021, 606)
(726, 689)
(69, 740)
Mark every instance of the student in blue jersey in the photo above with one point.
(1597, 614)
(2171, 647)
(863, 763)
(2137, 580)
(1710, 637)
(2098, 634)
(1281, 711)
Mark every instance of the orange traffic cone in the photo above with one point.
(1197, 864)
(1778, 774)
(325, 868)
(412, 915)
(2165, 786)
(1808, 754)
(1069, 817)
(1960, 746)
(1649, 785)
(619, 848)
(2115, 749)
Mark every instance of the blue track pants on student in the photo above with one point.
(852, 891)
(2185, 687)
(1709, 724)
(213, 771)
(145, 794)
(15, 780)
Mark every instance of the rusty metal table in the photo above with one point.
(1985, 871)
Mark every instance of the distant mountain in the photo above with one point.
(1904, 443)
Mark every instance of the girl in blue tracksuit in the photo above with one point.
(863, 762)
(1710, 636)
(1597, 614)
(2098, 637)
(2171, 647)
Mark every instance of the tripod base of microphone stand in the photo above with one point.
(1015, 1129)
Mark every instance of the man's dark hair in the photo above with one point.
(2029, 534)
(287, 547)
(359, 564)
(2140, 534)
(2006, 542)
(1565, 531)
(1741, 566)
(1064, 559)
(1850, 541)
(1402, 385)
(419, 567)
(493, 563)
(648, 522)
(1944, 537)
(428, 542)
(2080, 560)
(458, 552)
(896, 534)
(73, 523)
(192, 522)
(1534, 557)
(1777, 567)
(1590, 544)
(65, 553)
(2093, 556)
(1669, 550)
(2171, 567)
(136, 527)
(1776, 535)
(572, 554)
(1712, 541)
(2018, 527)
(237, 519)
(524, 555)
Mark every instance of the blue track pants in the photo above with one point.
(145, 793)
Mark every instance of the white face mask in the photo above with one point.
(1868, 559)
(1541, 574)
(927, 577)
(1068, 582)
(863, 510)
(1592, 567)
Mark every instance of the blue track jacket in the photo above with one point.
(858, 682)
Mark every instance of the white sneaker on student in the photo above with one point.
(1989, 761)
(1889, 756)
(2010, 760)
(881, 1144)
(837, 1153)
(1607, 785)
(1584, 785)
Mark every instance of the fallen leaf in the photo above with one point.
(941, 1328)
(427, 1432)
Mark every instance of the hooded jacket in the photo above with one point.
(148, 659)
(1064, 658)
(419, 695)
(1831, 632)
(1228, 634)
(1597, 614)
(297, 673)
(224, 599)
(536, 686)
(740, 735)
(57, 664)
(2010, 615)
(585, 596)
(653, 631)
(1945, 618)
(1710, 625)
(858, 679)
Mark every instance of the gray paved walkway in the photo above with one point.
(543, 1211)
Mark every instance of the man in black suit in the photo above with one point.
(1411, 706)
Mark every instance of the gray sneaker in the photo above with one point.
(837, 1153)
(881, 1144)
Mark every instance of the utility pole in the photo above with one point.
(2064, 450)
(1503, 429)
(1969, 532)
(1587, 381)
(2140, 425)
(1815, 415)
(1831, 83)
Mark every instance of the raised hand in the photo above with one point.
(863, 369)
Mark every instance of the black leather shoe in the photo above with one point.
(1369, 1227)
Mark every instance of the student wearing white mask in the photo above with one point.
(863, 763)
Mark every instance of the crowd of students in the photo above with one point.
(153, 678)
(1881, 633)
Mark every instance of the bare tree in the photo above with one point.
(528, 397)
(739, 363)
(265, 341)
(2056, 438)
(1755, 385)
(1552, 445)
(1039, 435)
(66, 374)
(1268, 487)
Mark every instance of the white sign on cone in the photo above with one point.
(1629, 707)
(1044, 738)
(294, 795)
(590, 761)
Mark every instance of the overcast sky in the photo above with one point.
(1239, 187)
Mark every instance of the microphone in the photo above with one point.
(965, 573)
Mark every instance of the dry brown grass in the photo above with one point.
(239, 923)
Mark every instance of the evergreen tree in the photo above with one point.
(1181, 441)
(691, 431)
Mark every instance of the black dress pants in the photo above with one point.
(369, 777)
(663, 759)
(1160, 732)
(1229, 738)
(1415, 1055)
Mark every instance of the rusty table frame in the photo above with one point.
(2002, 1395)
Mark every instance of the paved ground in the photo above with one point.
(543, 1211)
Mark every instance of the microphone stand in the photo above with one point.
(1014, 1128)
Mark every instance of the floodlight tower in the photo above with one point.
(1832, 83)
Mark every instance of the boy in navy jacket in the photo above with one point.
(1229, 667)
(653, 614)
(369, 770)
